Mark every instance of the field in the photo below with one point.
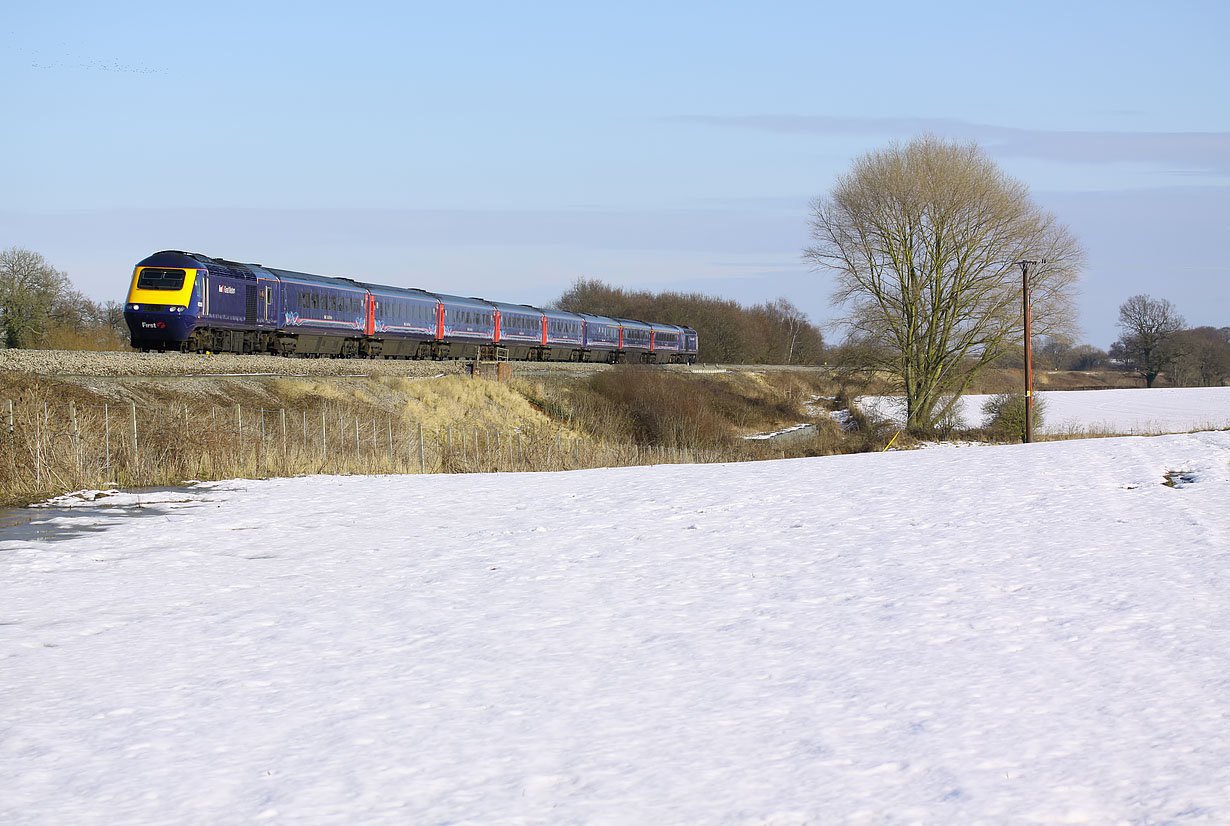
(999, 635)
(1117, 411)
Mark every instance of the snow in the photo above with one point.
(1019, 634)
(1127, 411)
(774, 434)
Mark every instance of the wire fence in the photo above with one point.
(48, 448)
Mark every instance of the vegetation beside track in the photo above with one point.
(206, 417)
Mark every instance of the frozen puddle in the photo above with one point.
(1180, 478)
(93, 511)
(798, 431)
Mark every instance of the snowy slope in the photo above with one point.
(1010, 635)
(1157, 410)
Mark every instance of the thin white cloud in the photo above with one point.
(1181, 152)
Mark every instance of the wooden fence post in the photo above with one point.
(136, 465)
(74, 434)
(107, 441)
(38, 452)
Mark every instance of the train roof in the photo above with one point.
(463, 301)
(177, 259)
(599, 318)
(559, 314)
(403, 292)
(520, 308)
(333, 282)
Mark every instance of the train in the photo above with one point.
(189, 302)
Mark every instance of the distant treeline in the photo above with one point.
(1189, 357)
(40, 309)
(776, 332)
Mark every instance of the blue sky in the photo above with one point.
(506, 149)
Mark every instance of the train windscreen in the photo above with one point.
(160, 278)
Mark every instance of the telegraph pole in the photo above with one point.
(1026, 266)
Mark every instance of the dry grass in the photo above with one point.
(93, 339)
(73, 434)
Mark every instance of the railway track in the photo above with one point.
(110, 363)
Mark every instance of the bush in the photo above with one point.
(1005, 415)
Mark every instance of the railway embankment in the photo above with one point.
(79, 420)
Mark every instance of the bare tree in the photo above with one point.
(1202, 358)
(923, 239)
(1147, 327)
(790, 330)
(1085, 357)
(30, 290)
(775, 332)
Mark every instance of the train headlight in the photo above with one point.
(134, 306)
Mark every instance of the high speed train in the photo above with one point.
(193, 303)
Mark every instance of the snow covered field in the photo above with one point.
(1008, 635)
(1157, 410)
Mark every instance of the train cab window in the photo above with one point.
(160, 278)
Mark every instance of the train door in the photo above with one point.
(263, 311)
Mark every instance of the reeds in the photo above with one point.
(58, 436)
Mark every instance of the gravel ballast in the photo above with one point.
(92, 363)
